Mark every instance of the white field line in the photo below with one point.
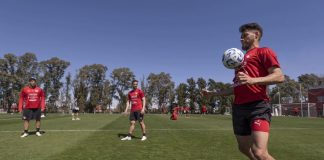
(161, 129)
(6, 119)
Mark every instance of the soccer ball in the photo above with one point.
(232, 58)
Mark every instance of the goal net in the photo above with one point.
(296, 109)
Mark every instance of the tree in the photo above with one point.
(193, 92)
(160, 88)
(221, 101)
(53, 70)
(309, 80)
(288, 89)
(121, 81)
(90, 83)
(27, 67)
(9, 88)
(107, 94)
(67, 100)
(182, 94)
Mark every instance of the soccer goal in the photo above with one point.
(296, 109)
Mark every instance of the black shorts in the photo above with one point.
(244, 114)
(29, 114)
(75, 111)
(136, 116)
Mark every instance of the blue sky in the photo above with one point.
(185, 38)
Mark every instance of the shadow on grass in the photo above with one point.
(122, 135)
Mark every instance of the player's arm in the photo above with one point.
(43, 101)
(127, 105)
(225, 92)
(21, 101)
(144, 103)
(275, 76)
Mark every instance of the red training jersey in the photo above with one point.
(204, 109)
(32, 98)
(256, 63)
(135, 97)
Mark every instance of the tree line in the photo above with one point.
(90, 87)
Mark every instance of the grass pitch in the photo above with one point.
(97, 137)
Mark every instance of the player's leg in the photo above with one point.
(260, 138)
(244, 145)
(242, 130)
(142, 124)
(26, 117)
(73, 114)
(260, 127)
(130, 131)
(131, 127)
(77, 115)
(37, 113)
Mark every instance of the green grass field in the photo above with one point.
(96, 137)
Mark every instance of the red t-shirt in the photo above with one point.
(135, 97)
(204, 109)
(256, 63)
(32, 98)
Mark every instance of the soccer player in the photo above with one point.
(136, 99)
(251, 109)
(33, 99)
(75, 112)
(203, 109)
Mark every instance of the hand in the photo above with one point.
(244, 78)
(142, 112)
(124, 113)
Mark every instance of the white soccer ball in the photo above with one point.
(233, 58)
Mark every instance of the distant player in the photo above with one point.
(175, 112)
(186, 111)
(251, 109)
(203, 109)
(136, 99)
(75, 112)
(31, 105)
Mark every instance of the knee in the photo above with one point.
(260, 153)
(244, 149)
(132, 123)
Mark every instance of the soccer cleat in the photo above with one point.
(143, 138)
(127, 138)
(73, 119)
(38, 134)
(24, 135)
(77, 119)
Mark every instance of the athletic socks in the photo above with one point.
(37, 129)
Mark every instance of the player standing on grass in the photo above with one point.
(33, 99)
(251, 109)
(75, 111)
(136, 99)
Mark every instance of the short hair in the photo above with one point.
(252, 26)
(134, 81)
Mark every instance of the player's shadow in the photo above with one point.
(122, 135)
(34, 132)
